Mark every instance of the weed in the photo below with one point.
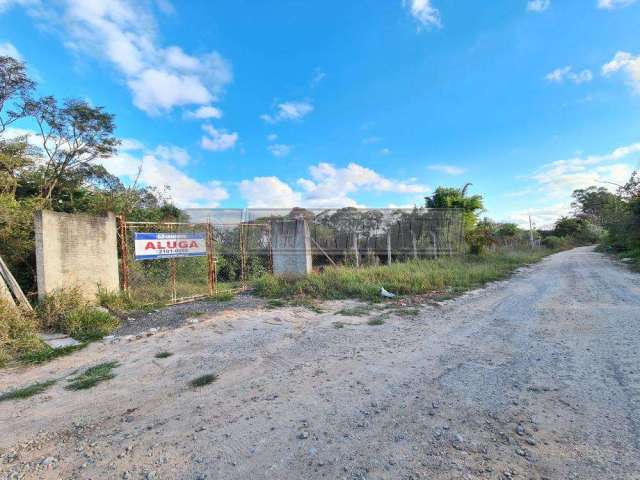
(46, 353)
(406, 312)
(203, 380)
(92, 376)
(163, 354)
(222, 296)
(358, 311)
(276, 303)
(88, 323)
(338, 325)
(306, 302)
(28, 391)
(410, 278)
(18, 332)
(374, 322)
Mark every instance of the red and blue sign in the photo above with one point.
(153, 246)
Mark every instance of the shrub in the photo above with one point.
(555, 243)
(88, 323)
(66, 311)
(18, 332)
(54, 309)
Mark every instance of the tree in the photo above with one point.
(447, 197)
(73, 135)
(15, 89)
(593, 203)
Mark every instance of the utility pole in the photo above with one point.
(530, 232)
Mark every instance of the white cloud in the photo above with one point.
(272, 137)
(218, 140)
(288, 111)
(280, 150)
(171, 153)
(328, 186)
(205, 112)
(331, 186)
(611, 4)
(542, 217)
(268, 192)
(627, 63)
(558, 179)
(424, 13)
(124, 32)
(560, 75)
(159, 170)
(7, 49)
(448, 169)
(538, 5)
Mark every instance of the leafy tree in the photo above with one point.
(73, 134)
(594, 203)
(15, 89)
(447, 197)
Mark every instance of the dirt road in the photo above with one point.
(535, 377)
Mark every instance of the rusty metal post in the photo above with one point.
(124, 253)
(211, 260)
(242, 259)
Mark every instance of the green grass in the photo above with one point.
(26, 392)
(443, 275)
(276, 303)
(405, 312)
(203, 380)
(92, 376)
(376, 321)
(163, 354)
(47, 353)
(358, 311)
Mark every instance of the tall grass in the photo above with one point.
(410, 278)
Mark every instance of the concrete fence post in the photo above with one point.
(76, 251)
(291, 247)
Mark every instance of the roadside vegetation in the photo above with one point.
(92, 376)
(64, 311)
(28, 391)
(442, 276)
(605, 216)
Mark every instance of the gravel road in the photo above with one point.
(536, 377)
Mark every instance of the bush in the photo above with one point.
(555, 243)
(88, 323)
(56, 306)
(18, 332)
(66, 311)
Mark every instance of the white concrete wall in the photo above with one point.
(76, 251)
(291, 247)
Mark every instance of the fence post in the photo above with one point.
(389, 247)
(211, 260)
(124, 253)
(355, 248)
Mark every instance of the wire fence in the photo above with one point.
(222, 250)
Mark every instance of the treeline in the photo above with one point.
(611, 219)
(55, 167)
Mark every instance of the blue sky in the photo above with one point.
(334, 103)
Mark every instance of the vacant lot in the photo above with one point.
(536, 377)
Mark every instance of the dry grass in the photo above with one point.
(417, 277)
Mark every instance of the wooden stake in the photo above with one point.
(10, 281)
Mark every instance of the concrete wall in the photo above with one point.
(76, 250)
(291, 247)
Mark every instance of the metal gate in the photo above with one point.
(231, 255)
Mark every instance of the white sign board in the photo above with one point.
(151, 246)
